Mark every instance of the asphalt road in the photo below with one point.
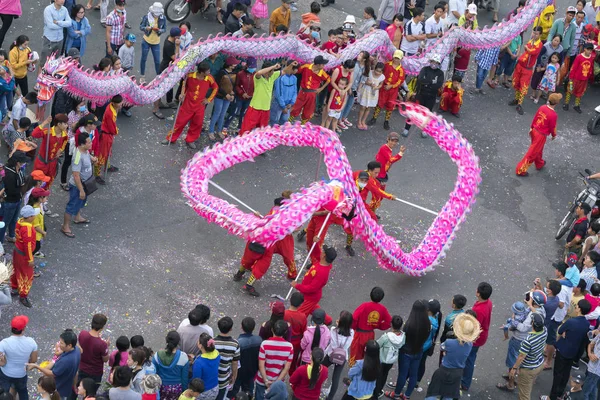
(147, 259)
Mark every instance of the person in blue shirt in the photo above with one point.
(79, 30)
(285, 92)
(249, 349)
(363, 375)
(56, 19)
(172, 365)
(206, 367)
(435, 318)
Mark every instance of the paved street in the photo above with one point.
(147, 259)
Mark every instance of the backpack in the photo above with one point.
(338, 355)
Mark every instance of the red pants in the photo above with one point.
(521, 79)
(254, 119)
(48, 169)
(258, 263)
(450, 102)
(577, 88)
(297, 351)
(357, 348)
(312, 230)
(22, 278)
(305, 103)
(192, 114)
(387, 99)
(285, 248)
(534, 153)
(308, 306)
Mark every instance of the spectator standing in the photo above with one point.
(19, 57)
(274, 359)
(79, 30)
(9, 10)
(244, 90)
(206, 367)
(94, 351)
(258, 113)
(341, 339)
(56, 18)
(13, 183)
(249, 349)
(590, 386)
(16, 351)
(388, 9)
(192, 327)
(280, 16)
(153, 25)
(363, 375)
(308, 379)
(115, 28)
(389, 346)
(285, 92)
(456, 10)
(315, 336)
(169, 54)
(297, 323)
(234, 21)
(225, 95)
(229, 350)
(172, 365)
(566, 28)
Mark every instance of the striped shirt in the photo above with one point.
(275, 352)
(229, 349)
(533, 349)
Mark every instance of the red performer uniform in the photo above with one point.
(297, 321)
(312, 288)
(285, 248)
(193, 107)
(393, 76)
(48, 162)
(377, 193)
(307, 98)
(451, 99)
(108, 131)
(366, 318)
(312, 230)
(386, 158)
(524, 69)
(258, 263)
(22, 279)
(542, 126)
(582, 69)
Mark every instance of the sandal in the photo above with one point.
(392, 395)
(504, 386)
(158, 114)
(506, 85)
(70, 235)
(64, 186)
(82, 222)
(212, 137)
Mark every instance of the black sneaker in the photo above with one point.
(520, 109)
(386, 125)
(575, 365)
(301, 235)
(566, 107)
(25, 301)
(578, 109)
(14, 292)
(513, 102)
(100, 180)
(372, 122)
(238, 276)
(112, 168)
(249, 289)
(350, 251)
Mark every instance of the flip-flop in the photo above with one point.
(504, 386)
(84, 222)
(97, 8)
(547, 368)
(158, 115)
(70, 235)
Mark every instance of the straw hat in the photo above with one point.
(466, 328)
(6, 271)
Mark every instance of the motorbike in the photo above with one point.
(593, 125)
(588, 195)
(179, 10)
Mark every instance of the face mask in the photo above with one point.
(120, 11)
(315, 35)
(21, 48)
(362, 185)
(252, 70)
(82, 109)
(183, 30)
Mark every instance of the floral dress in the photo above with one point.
(260, 9)
(548, 83)
(367, 94)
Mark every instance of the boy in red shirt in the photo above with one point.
(483, 309)
(337, 101)
(452, 96)
(386, 158)
(297, 321)
(582, 69)
(22, 278)
(108, 131)
(461, 61)
(331, 45)
(388, 94)
(314, 80)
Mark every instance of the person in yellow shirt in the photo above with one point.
(195, 388)
(280, 16)
(19, 59)
(38, 197)
(545, 21)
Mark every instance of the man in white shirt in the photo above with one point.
(19, 110)
(414, 33)
(16, 351)
(434, 25)
(457, 9)
(192, 327)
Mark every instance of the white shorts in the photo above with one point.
(335, 114)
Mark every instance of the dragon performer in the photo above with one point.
(99, 87)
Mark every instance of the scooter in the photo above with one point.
(593, 125)
(588, 195)
(178, 10)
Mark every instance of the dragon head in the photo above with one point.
(54, 75)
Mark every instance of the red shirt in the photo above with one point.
(373, 186)
(313, 282)
(275, 352)
(337, 100)
(310, 80)
(393, 75)
(595, 302)
(386, 159)
(370, 316)
(196, 89)
(329, 45)
(530, 55)
(244, 83)
(300, 381)
(545, 120)
(484, 316)
(297, 321)
(25, 236)
(58, 141)
(109, 121)
(582, 68)
(462, 63)
(94, 349)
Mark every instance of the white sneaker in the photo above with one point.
(346, 122)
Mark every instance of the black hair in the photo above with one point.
(349, 64)
(48, 384)
(204, 341)
(377, 293)
(595, 289)
(371, 364)
(15, 331)
(457, 78)
(594, 256)
(114, 58)
(344, 325)
(172, 341)
(120, 2)
(581, 12)
(434, 308)
(439, 6)
(554, 286)
(522, 3)
(417, 12)
(205, 310)
(339, 31)
(280, 328)
(397, 322)
(203, 67)
(4, 53)
(584, 306)
(561, 267)
(122, 376)
(317, 355)
(558, 35)
(370, 11)
(89, 385)
(268, 325)
(21, 39)
(380, 65)
(278, 201)
(459, 301)
(281, 28)
(118, 99)
(196, 385)
(417, 327)
(367, 69)
(248, 324)
(315, 7)
(105, 62)
(297, 299)
(595, 226)
(186, 23)
(538, 29)
(69, 337)
(471, 312)
(75, 10)
(24, 123)
(582, 284)
(581, 1)
(373, 164)
(82, 137)
(195, 317)
(344, 79)
(240, 7)
(225, 324)
(138, 355)
(399, 17)
(136, 341)
(122, 345)
(316, 336)
(485, 290)
(331, 32)
(31, 97)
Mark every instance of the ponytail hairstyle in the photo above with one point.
(122, 346)
(370, 11)
(434, 308)
(207, 342)
(149, 353)
(367, 61)
(33, 200)
(48, 384)
(317, 356)
(316, 336)
(172, 340)
(20, 40)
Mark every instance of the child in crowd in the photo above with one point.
(127, 52)
(194, 390)
(37, 179)
(337, 101)
(520, 312)
(341, 339)
(572, 274)
(36, 199)
(260, 11)
(331, 45)
(186, 36)
(458, 303)
(368, 94)
(315, 336)
(582, 69)
(461, 61)
(435, 318)
(548, 82)
(297, 322)
(229, 350)
(452, 96)
(389, 346)
(150, 386)
(249, 349)
(118, 358)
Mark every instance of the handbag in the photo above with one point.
(90, 185)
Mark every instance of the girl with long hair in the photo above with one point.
(315, 336)
(172, 367)
(435, 319)
(206, 367)
(19, 57)
(46, 387)
(308, 379)
(363, 375)
(341, 338)
(277, 313)
(87, 389)
(135, 360)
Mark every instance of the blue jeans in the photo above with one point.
(218, 116)
(155, 55)
(11, 215)
(481, 74)
(408, 368)
(507, 65)
(469, 368)
(239, 109)
(259, 393)
(6, 100)
(590, 387)
(278, 117)
(348, 106)
(20, 385)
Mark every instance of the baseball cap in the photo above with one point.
(39, 192)
(29, 211)
(39, 175)
(251, 62)
(588, 46)
(73, 53)
(175, 31)
(330, 253)
(393, 136)
(472, 8)
(287, 1)
(278, 308)
(232, 61)
(399, 54)
(130, 37)
(572, 259)
(571, 9)
(19, 322)
(320, 60)
(318, 316)
(363, 175)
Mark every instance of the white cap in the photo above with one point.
(472, 8)
(157, 8)
(350, 19)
